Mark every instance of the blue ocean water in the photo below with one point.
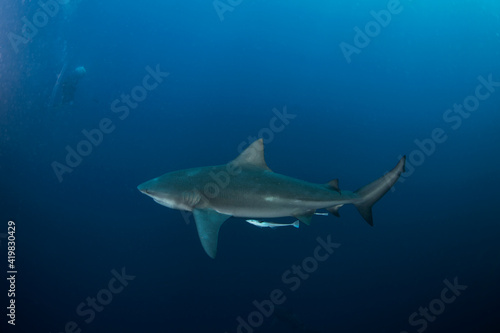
(337, 89)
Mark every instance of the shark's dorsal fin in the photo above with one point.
(252, 156)
(208, 223)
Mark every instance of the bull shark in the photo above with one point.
(246, 187)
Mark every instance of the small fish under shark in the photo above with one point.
(264, 224)
(272, 225)
(246, 187)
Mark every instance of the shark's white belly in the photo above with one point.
(270, 207)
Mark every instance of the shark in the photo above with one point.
(246, 187)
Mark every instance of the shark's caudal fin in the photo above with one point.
(371, 193)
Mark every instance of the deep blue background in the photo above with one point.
(352, 122)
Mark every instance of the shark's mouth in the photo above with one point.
(166, 203)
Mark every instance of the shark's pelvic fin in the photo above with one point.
(252, 156)
(334, 210)
(208, 223)
(372, 192)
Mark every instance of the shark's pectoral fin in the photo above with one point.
(306, 217)
(208, 223)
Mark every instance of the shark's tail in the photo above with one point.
(369, 194)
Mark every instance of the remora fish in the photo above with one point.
(264, 224)
(246, 187)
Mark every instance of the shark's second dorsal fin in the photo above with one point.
(252, 156)
(333, 185)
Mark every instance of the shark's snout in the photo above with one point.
(143, 188)
(149, 188)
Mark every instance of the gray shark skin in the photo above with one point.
(246, 187)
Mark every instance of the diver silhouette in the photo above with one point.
(63, 92)
(70, 83)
